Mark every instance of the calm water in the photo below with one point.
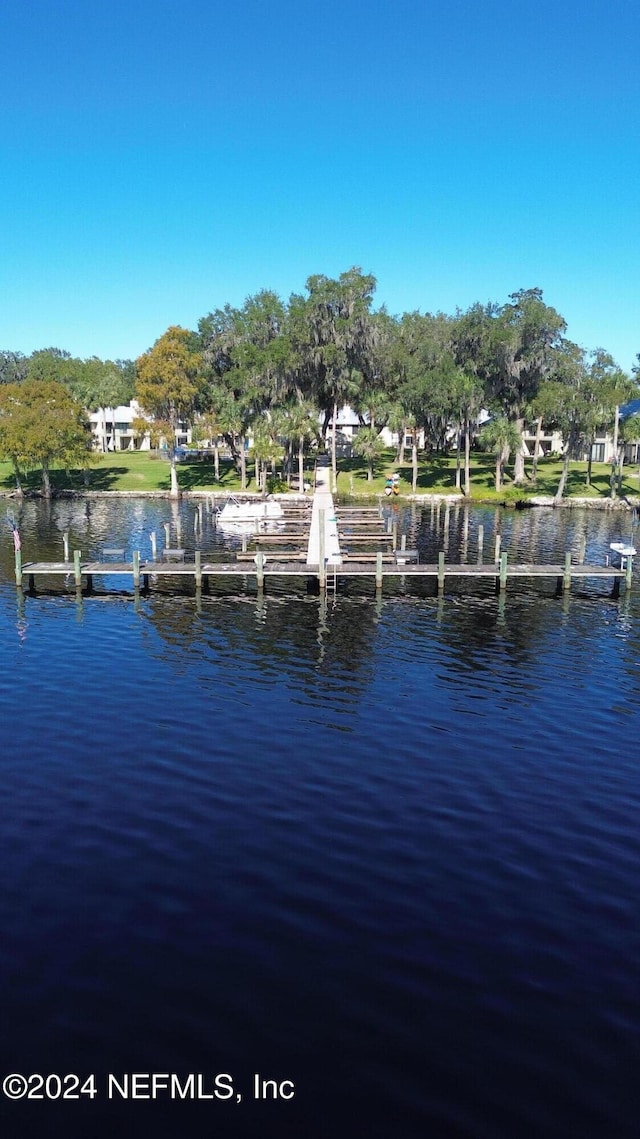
(387, 851)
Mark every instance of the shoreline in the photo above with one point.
(625, 503)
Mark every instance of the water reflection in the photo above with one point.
(342, 628)
(364, 834)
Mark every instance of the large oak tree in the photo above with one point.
(170, 382)
(42, 424)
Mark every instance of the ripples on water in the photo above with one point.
(389, 851)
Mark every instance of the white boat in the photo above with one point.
(262, 511)
(623, 548)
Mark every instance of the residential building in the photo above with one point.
(112, 429)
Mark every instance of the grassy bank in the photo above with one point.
(131, 471)
(437, 475)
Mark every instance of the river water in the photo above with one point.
(381, 856)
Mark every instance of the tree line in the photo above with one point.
(277, 373)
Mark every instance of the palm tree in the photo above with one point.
(369, 445)
(266, 448)
(502, 436)
(299, 422)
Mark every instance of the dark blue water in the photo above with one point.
(388, 853)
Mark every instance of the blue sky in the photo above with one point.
(159, 159)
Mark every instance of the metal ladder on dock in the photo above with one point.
(331, 581)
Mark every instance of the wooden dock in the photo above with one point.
(261, 567)
(342, 543)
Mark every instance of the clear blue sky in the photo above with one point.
(159, 159)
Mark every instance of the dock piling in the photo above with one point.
(379, 571)
(260, 569)
(77, 572)
(322, 561)
(566, 580)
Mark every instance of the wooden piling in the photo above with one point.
(629, 571)
(154, 545)
(441, 570)
(496, 553)
(322, 563)
(260, 569)
(65, 545)
(379, 570)
(566, 579)
(198, 569)
(503, 571)
(136, 568)
(18, 567)
(615, 592)
(480, 543)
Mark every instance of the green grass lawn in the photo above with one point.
(131, 470)
(142, 471)
(437, 475)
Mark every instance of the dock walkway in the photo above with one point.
(200, 571)
(323, 532)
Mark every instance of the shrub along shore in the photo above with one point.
(143, 473)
